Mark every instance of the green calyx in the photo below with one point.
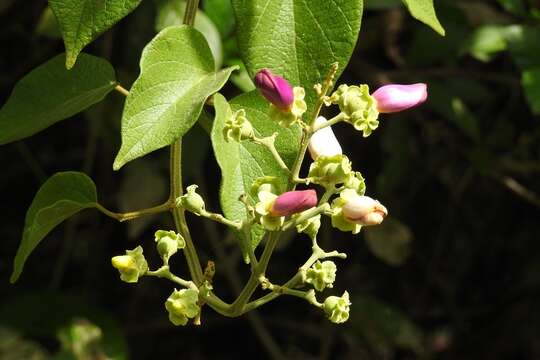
(359, 106)
(338, 219)
(263, 208)
(266, 183)
(321, 275)
(168, 243)
(330, 170)
(191, 201)
(237, 127)
(132, 265)
(355, 181)
(182, 305)
(309, 227)
(294, 114)
(337, 308)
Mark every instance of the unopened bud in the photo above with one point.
(323, 142)
(337, 308)
(182, 305)
(394, 97)
(292, 202)
(131, 266)
(275, 89)
(168, 243)
(364, 210)
(192, 201)
(321, 275)
(237, 127)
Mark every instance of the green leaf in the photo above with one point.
(298, 40)
(530, 80)
(177, 76)
(221, 13)
(424, 11)
(171, 13)
(82, 21)
(61, 196)
(50, 93)
(242, 163)
(524, 45)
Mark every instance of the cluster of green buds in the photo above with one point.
(274, 204)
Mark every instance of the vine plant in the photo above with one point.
(260, 139)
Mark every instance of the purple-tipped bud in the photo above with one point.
(275, 89)
(292, 202)
(393, 98)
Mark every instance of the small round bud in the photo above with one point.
(131, 266)
(359, 106)
(321, 275)
(292, 202)
(323, 142)
(168, 243)
(337, 308)
(237, 127)
(395, 97)
(192, 201)
(182, 305)
(330, 170)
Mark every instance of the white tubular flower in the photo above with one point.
(323, 142)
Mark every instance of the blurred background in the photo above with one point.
(453, 273)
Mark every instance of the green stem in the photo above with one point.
(269, 143)
(135, 214)
(191, 11)
(306, 215)
(221, 219)
(190, 252)
(253, 282)
(338, 118)
(165, 272)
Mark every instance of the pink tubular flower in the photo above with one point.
(292, 202)
(275, 89)
(364, 210)
(394, 97)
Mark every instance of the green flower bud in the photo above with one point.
(309, 227)
(237, 127)
(337, 308)
(168, 243)
(191, 201)
(132, 265)
(355, 181)
(358, 105)
(321, 275)
(294, 114)
(182, 305)
(330, 170)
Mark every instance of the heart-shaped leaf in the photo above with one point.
(60, 197)
(82, 21)
(50, 93)
(298, 40)
(177, 76)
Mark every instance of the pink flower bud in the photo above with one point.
(292, 202)
(364, 210)
(323, 142)
(393, 98)
(275, 89)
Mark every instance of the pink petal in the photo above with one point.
(394, 97)
(275, 89)
(292, 202)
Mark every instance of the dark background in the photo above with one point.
(454, 273)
